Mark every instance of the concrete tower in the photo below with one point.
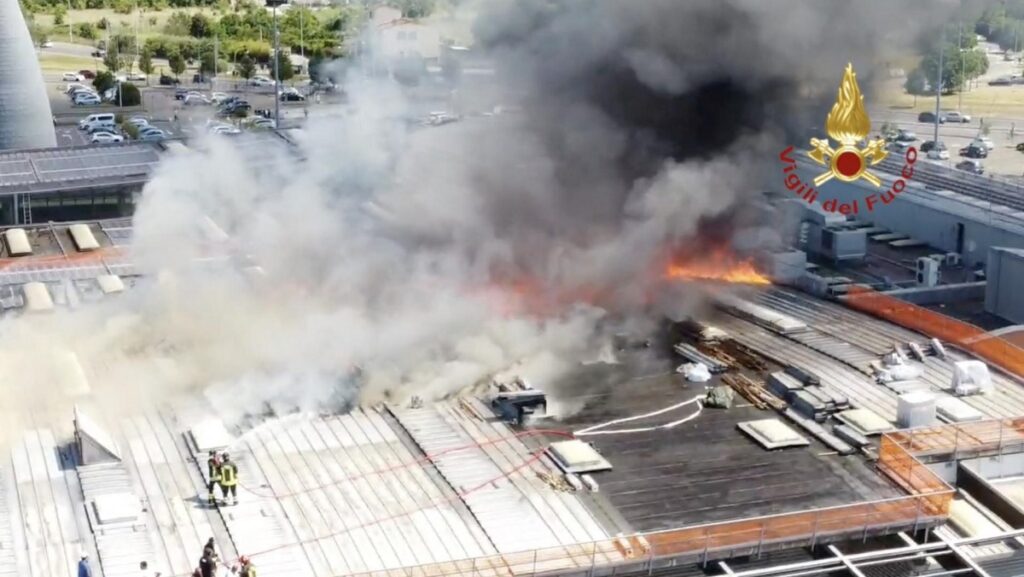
(25, 117)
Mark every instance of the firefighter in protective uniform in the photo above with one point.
(213, 475)
(247, 569)
(229, 479)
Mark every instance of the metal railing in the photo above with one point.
(961, 439)
(966, 336)
(702, 542)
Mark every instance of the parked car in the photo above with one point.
(973, 151)
(928, 145)
(180, 93)
(137, 76)
(196, 100)
(153, 136)
(898, 146)
(972, 166)
(929, 117)
(46, 44)
(105, 137)
(984, 142)
(99, 53)
(70, 88)
(72, 77)
(1003, 81)
(292, 97)
(87, 74)
(260, 123)
(938, 154)
(86, 99)
(902, 136)
(99, 117)
(260, 81)
(138, 123)
(957, 116)
(1020, 147)
(168, 81)
(152, 133)
(200, 79)
(218, 97)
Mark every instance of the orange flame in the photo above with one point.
(717, 265)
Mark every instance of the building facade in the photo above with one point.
(25, 117)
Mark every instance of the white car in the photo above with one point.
(957, 116)
(983, 141)
(224, 129)
(218, 97)
(86, 99)
(938, 154)
(47, 44)
(72, 77)
(73, 86)
(121, 78)
(139, 123)
(106, 138)
(195, 100)
(261, 81)
(262, 123)
(137, 76)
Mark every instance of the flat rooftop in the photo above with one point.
(707, 470)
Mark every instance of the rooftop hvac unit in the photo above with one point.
(953, 259)
(916, 409)
(927, 271)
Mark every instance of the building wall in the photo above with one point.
(410, 39)
(1004, 281)
(25, 117)
(933, 221)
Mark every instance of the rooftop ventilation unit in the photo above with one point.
(927, 271)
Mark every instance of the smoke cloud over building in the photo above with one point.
(403, 262)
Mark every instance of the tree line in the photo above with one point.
(962, 61)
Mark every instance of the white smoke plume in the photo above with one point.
(392, 258)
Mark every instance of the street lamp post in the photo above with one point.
(938, 85)
(277, 63)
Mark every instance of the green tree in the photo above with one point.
(177, 63)
(415, 8)
(113, 60)
(104, 81)
(200, 26)
(146, 62)
(59, 12)
(86, 30)
(285, 69)
(207, 65)
(103, 24)
(916, 84)
(246, 68)
(179, 24)
(129, 95)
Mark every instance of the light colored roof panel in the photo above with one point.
(110, 283)
(37, 297)
(17, 242)
(83, 237)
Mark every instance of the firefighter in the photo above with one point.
(247, 569)
(207, 566)
(213, 469)
(229, 479)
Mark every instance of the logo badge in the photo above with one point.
(848, 124)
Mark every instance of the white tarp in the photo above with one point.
(695, 372)
(83, 237)
(37, 297)
(971, 376)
